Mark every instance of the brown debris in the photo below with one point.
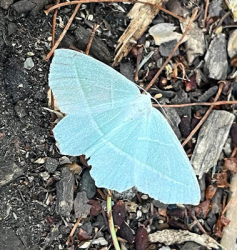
(141, 15)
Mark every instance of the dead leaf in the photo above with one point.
(222, 179)
(119, 213)
(164, 32)
(81, 208)
(221, 223)
(203, 208)
(40, 160)
(126, 232)
(95, 207)
(74, 168)
(232, 4)
(231, 164)
(141, 239)
(233, 134)
(210, 191)
(83, 235)
(131, 207)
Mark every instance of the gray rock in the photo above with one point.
(11, 28)
(127, 69)
(29, 64)
(51, 165)
(87, 184)
(173, 119)
(216, 64)
(182, 97)
(165, 49)
(5, 4)
(191, 245)
(126, 195)
(26, 6)
(215, 8)
(87, 226)
(9, 240)
(211, 140)
(20, 109)
(208, 94)
(9, 171)
(232, 44)
(81, 208)
(54, 232)
(65, 190)
(175, 7)
(195, 45)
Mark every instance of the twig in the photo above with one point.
(234, 152)
(52, 44)
(95, 27)
(205, 116)
(222, 19)
(54, 23)
(198, 224)
(172, 53)
(109, 1)
(205, 14)
(63, 33)
(111, 222)
(194, 104)
(95, 237)
(73, 231)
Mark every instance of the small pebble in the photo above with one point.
(29, 64)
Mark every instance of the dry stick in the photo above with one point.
(205, 14)
(199, 224)
(54, 23)
(234, 152)
(95, 27)
(52, 44)
(63, 33)
(172, 53)
(109, 1)
(111, 222)
(205, 116)
(73, 231)
(194, 104)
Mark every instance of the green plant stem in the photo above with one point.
(111, 222)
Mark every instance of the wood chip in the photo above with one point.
(229, 237)
(211, 140)
(141, 15)
(172, 237)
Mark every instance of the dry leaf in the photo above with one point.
(119, 213)
(232, 4)
(222, 179)
(231, 164)
(95, 207)
(141, 239)
(131, 207)
(210, 191)
(74, 168)
(203, 208)
(40, 160)
(221, 223)
(164, 32)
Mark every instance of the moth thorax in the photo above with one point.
(141, 106)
